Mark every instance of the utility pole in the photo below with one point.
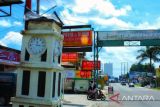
(127, 68)
(38, 5)
(124, 67)
(121, 68)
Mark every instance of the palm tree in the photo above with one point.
(150, 53)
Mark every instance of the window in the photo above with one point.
(26, 55)
(41, 84)
(25, 82)
(44, 56)
(54, 82)
(59, 84)
(59, 59)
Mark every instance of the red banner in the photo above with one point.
(9, 57)
(83, 74)
(89, 65)
(77, 38)
(69, 57)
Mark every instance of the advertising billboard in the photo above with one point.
(89, 65)
(69, 74)
(77, 38)
(83, 74)
(70, 57)
(132, 35)
(9, 57)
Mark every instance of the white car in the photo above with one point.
(131, 84)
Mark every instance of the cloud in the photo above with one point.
(44, 8)
(1, 43)
(16, 23)
(72, 19)
(12, 39)
(102, 14)
(103, 7)
(117, 23)
(5, 23)
(146, 25)
(8, 23)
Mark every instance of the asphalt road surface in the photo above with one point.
(128, 97)
(135, 96)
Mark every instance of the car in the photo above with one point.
(123, 83)
(131, 84)
(7, 87)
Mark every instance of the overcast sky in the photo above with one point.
(103, 15)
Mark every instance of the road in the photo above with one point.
(136, 96)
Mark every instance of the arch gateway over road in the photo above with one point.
(129, 38)
(124, 38)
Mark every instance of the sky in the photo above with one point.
(103, 15)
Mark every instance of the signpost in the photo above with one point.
(83, 74)
(9, 57)
(77, 38)
(77, 41)
(70, 57)
(89, 65)
(69, 74)
(129, 38)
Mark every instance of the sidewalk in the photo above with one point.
(80, 100)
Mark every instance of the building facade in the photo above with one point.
(108, 69)
(9, 59)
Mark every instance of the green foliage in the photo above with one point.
(141, 68)
(158, 81)
(101, 81)
(151, 53)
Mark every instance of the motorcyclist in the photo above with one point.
(92, 89)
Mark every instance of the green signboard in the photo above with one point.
(129, 38)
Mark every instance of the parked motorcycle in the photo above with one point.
(96, 95)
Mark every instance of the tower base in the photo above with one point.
(30, 102)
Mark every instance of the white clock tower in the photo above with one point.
(39, 80)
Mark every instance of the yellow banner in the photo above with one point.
(158, 72)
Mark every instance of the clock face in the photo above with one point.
(37, 46)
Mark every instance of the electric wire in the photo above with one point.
(69, 20)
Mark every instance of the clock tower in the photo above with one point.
(39, 75)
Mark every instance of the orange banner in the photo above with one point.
(77, 38)
(69, 57)
(83, 74)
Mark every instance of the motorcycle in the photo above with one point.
(96, 95)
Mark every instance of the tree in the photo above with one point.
(150, 53)
(141, 68)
